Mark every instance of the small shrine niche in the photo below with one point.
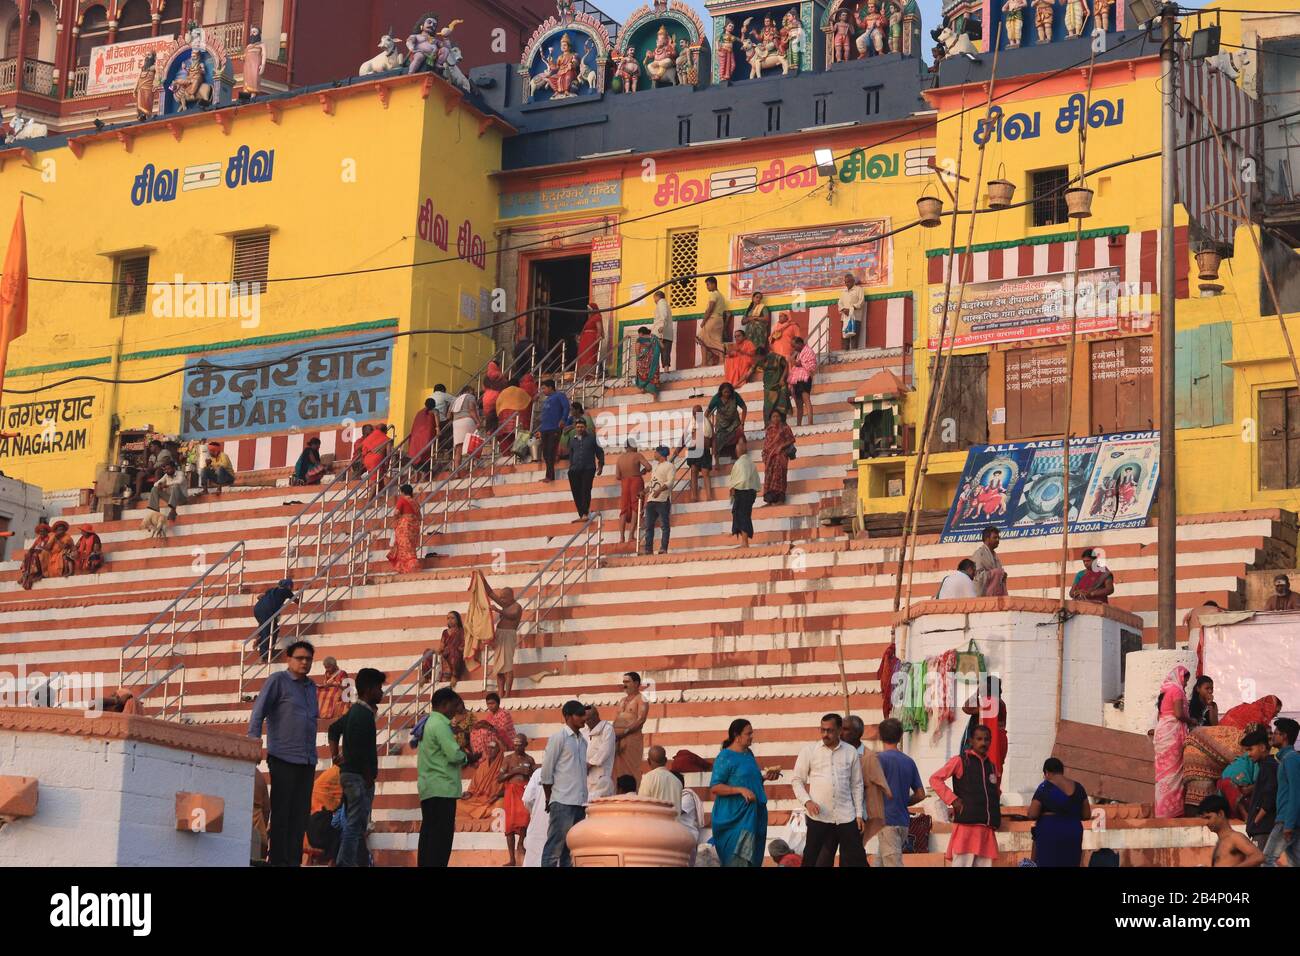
(752, 40)
(567, 57)
(860, 29)
(658, 46)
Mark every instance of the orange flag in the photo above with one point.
(13, 285)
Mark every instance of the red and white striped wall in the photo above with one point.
(268, 452)
(1136, 253)
(1204, 180)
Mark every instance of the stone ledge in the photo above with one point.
(107, 726)
(995, 605)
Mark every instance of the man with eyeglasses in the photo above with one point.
(287, 705)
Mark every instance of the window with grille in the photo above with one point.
(683, 131)
(819, 111)
(873, 100)
(1047, 187)
(131, 287)
(724, 123)
(683, 260)
(774, 117)
(248, 271)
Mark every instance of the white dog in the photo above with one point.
(154, 524)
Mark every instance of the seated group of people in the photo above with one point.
(166, 480)
(54, 554)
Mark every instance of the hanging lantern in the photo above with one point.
(1078, 201)
(929, 208)
(1207, 262)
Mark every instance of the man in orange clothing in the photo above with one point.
(975, 799)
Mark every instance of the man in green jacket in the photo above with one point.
(438, 762)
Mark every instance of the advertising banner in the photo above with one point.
(115, 67)
(1018, 486)
(854, 247)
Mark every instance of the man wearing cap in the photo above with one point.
(267, 612)
(90, 551)
(658, 503)
(219, 471)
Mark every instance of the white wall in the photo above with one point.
(21, 504)
(1020, 648)
(112, 803)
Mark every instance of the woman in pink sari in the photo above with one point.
(495, 724)
(1172, 727)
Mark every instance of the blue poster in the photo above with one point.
(301, 387)
(1018, 487)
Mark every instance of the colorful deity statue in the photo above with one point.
(563, 71)
(565, 9)
(1076, 15)
(430, 46)
(911, 26)
(842, 36)
(145, 85)
(685, 64)
(254, 64)
(193, 87)
(1044, 15)
(1013, 15)
(791, 39)
(727, 51)
(661, 62)
(763, 50)
(895, 25)
(874, 25)
(1101, 10)
(628, 69)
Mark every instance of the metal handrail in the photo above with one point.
(141, 656)
(555, 572)
(173, 705)
(403, 700)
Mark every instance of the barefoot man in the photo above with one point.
(516, 770)
(629, 468)
(501, 661)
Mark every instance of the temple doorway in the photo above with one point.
(559, 285)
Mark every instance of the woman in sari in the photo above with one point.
(727, 411)
(495, 724)
(647, 357)
(1253, 716)
(1171, 730)
(739, 799)
(781, 341)
(404, 555)
(424, 428)
(739, 364)
(589, 341)
(1060, 805)
(90, 551)
(484, 793)
(34, 560)
(1094, 583)
(60, 559)
(776, 383)
(451, 652)
(308, 469)
(758, 321)
(777, 447)
(374, 449)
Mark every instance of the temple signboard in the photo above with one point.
(817, 257)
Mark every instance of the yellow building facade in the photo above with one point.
(291, 244)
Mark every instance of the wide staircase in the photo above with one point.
(778, 633)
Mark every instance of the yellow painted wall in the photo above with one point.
(344, 197)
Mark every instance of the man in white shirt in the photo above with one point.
(663, 329)
(601, 748)
(538, 820)
(853, 308)
(564, 781)
(169, 487)
(828, 782)
(658, 502)
(660, 783)
(959, 583)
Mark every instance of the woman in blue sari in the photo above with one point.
(647, 357)
(739, 800)
(1060, 806)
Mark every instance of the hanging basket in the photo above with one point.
(929, 208)
(1078, 201)
(1001, 192)
(1207, 261)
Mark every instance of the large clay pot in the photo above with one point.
(630, 831)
